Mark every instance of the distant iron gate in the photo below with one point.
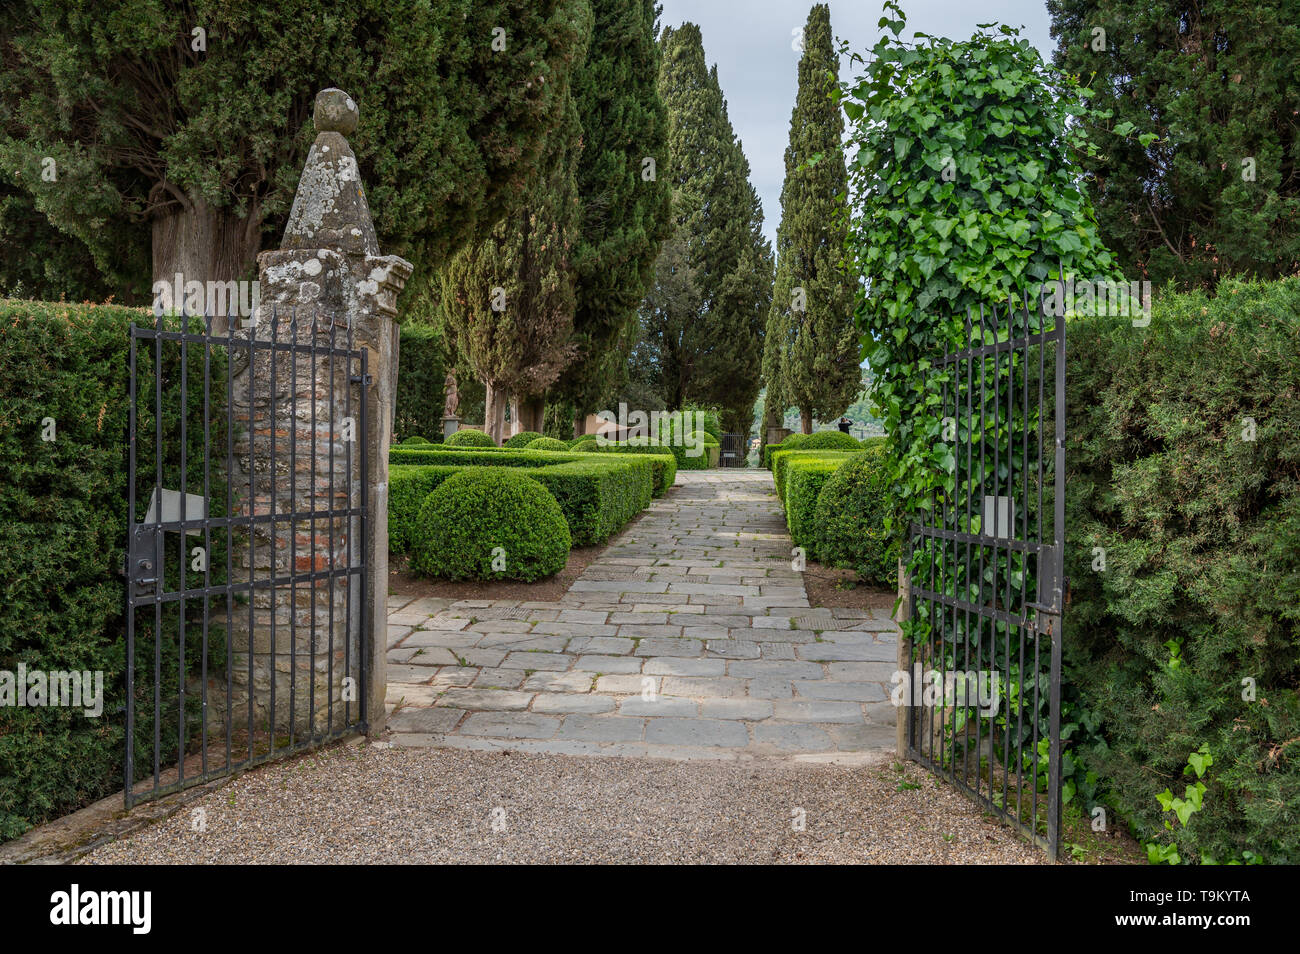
(229, 601)
(733, 451)
(987, 575)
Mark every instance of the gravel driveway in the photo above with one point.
(364, 803)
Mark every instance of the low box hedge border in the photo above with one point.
(598, 495)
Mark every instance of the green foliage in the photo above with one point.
(804, 478)
(585, 444)
(141, 125)
(1200, 528)
(468, 437)
(522, 439)
(413, 440)
(597, 495)
(828, 440)
(782, 458)
(814, 351)
(704, 315)
(63, 528)
(1201, 185)
(963, 196)
(547, 444)
(625, 216)
(478, 516)
(421, 373)
(662, 461)
(852, 518)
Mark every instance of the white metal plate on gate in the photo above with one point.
(1005, 509)
(196, 508)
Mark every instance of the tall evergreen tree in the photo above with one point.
(626, 203)
(811, 319)
(718, 217)
(1218, 83)
(509, 297)
(182, 127)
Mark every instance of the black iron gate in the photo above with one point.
(245, 580)
(733, 451)
(986, 574)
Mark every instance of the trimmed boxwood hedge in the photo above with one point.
(468, 437)
(522, 439)
(413, 440)
(63, 526)
(829, 440)
(662, 459)
(471, 513)
(850, 517)
(547, 444)
(781, 458)
(804, 478)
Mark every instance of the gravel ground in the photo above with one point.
(370, 804)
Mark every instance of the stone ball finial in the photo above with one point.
(336, 111)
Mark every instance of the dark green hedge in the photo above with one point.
(481, 514)
(468, 437)
(803, 482)
(421, 373)
(850, 519)
(783, 457)
(522, 439)
(663, 460)
(1201, 587)
(597, 494)
(63, 522)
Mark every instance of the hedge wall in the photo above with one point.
(421, 371)
(598, 496)
(665, 461)
(63, 523)
(804, 478)
(783, 457)
(1199, 520)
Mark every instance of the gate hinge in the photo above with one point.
(365, 379)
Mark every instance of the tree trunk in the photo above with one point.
(530, 412)
(494, 411)
(805, 420)
(579, 423)
(204, 244)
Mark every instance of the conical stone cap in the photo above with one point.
(329, 209)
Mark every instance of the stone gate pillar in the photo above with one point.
(327, 284)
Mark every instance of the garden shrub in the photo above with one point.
(850, 517)
(804, 479)
(414, 439)
(585, 444)
(547, 444)
(468, 437)
(63, 528)
(662, 460)
(829, 440)
(471, 513)
(783, 457)
(421, 373)
(522, 439)
(1183, 482)
(597, 494)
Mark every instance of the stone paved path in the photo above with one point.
(690, 637)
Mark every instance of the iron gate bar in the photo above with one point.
(955, 601)
(147, 577)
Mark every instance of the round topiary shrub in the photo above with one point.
(470, 438)
(849, 519)
(473, 512)
(547, 444)
(795, 441)
(414, 439)
(829, 440)
(587, 445)
(522, 439)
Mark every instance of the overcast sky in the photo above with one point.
(751, 41)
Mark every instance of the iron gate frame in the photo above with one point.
(1037, 618)
(735, 443)
(146, 570)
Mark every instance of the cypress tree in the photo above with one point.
(509, 297)
(626, 203)
(719, 219)
(177, 130)
(812, 355)
(1203, 179)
